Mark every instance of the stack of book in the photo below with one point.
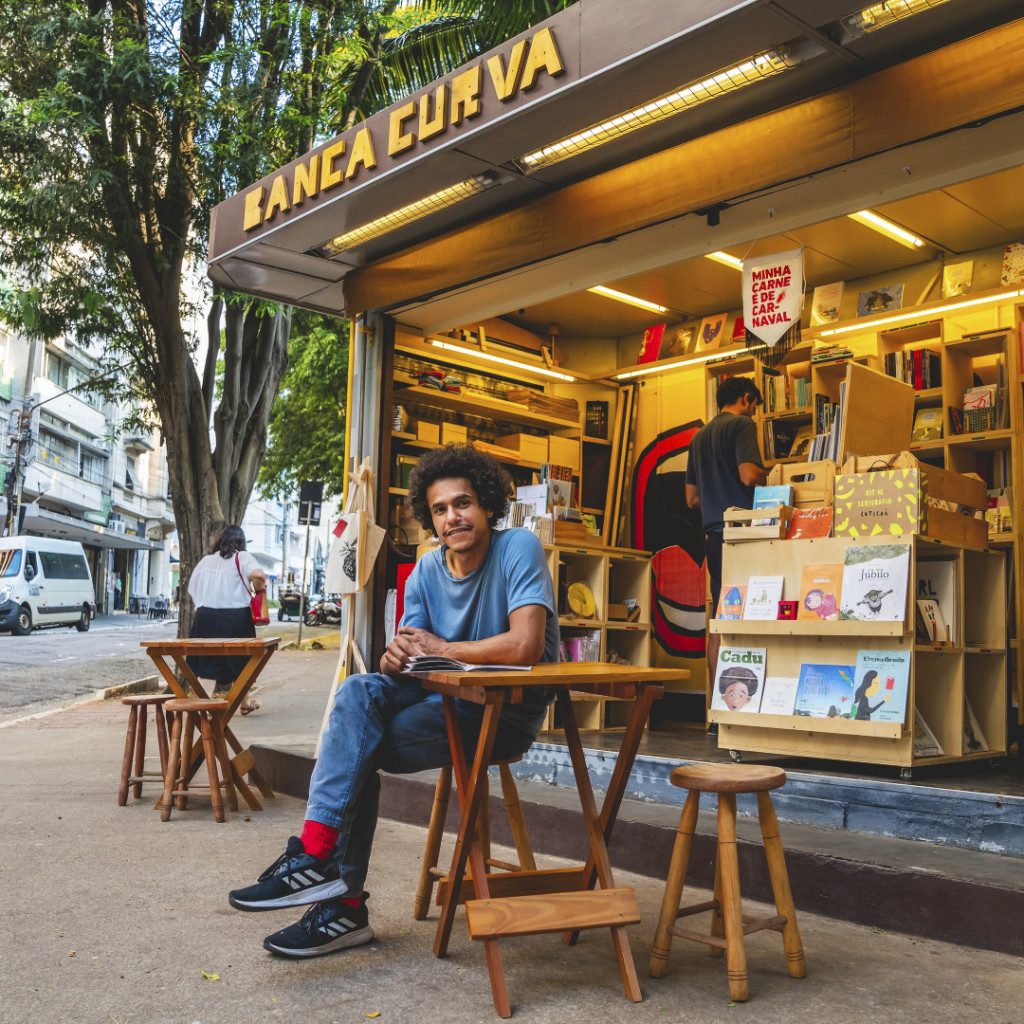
(546, 405)
(831, 353)
(829, 421)
(919, 367)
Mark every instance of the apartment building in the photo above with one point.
(85, 478)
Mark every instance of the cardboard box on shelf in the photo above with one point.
(564, 451)
(427, 431)
(453, 433)
(895, 495)
(529, 446)
(812, 482)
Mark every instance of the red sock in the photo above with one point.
(318, 839)
(355, 902)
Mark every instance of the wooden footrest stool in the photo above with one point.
(206, 717)
(133, 764)
(431, 873)
(729, 925)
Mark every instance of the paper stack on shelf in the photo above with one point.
(547, 405)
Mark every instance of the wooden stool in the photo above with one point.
(135, 743)
(430, 872)
(728, 924)
(207, 715)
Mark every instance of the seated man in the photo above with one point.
(483, 596)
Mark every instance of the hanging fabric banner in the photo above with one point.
(773, 291)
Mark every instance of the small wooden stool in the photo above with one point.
(430, 872)
(728, 924)
(207, 715)
(135, 743)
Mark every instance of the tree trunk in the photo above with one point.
(211, 487)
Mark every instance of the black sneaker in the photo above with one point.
(293, 880)
(324, 928)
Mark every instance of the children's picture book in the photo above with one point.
(809, 522)
(875, 583)
(820, 586)
(825, 691)
(763, 596)
(957, 278)
(882, 679)
(974, 738)
(779, 695)
(730, 606)
(927, 425)
(826, 303)
(711, 332)
(925, 742)
(738, 679)
(1013, 264)
(931, 626)
(936, 582)
(680, 342)
(770, 496)
(880, 300)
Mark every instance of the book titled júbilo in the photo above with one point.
(875, 583)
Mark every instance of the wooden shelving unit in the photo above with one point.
(969, 347)
(972, 665)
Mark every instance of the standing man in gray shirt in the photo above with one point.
(723, 469)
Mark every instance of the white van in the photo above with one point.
(44, 582)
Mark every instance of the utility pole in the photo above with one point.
(311, 494)
(21, 437)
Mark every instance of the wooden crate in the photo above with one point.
(911, 490)
(812, 482)
(740, 523)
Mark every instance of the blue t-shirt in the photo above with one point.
(514, 574)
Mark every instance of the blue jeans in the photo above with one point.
(390, 723)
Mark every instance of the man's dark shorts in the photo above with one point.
(713, 553)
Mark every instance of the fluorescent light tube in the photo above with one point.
(630, 300)
(407, 214)
(675, 365)
(885, 227)
(755, 69)
(491, 357)
(921, 314)
(877, 16)
(725, 258)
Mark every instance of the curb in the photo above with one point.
(147, 684)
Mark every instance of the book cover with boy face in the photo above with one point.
(739, 679)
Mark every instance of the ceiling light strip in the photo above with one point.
(407, 215)
(630, 300)
(643, 371)
(492, 358)
(877, 16)
(755, 69)
(922, 314)
(725, 259)
(872, 220)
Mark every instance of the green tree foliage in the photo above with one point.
(123, 122)
(307, 425)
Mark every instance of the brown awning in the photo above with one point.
(591, 62)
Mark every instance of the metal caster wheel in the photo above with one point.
(906, 773)
(735, 756)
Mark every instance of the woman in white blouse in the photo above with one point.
(220, 590)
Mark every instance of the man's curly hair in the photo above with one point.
(490, 481)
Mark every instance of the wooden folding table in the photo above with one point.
(553, 900)
(258, 651)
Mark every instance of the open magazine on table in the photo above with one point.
(436, 663)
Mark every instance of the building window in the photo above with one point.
(58, 370)
(131, 473)
(92, 468)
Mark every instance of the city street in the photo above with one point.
(54, 667)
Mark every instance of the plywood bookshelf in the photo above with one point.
(973, 664)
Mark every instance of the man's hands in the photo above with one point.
(408, 643)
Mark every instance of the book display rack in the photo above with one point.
(967, 373)
(955, 686)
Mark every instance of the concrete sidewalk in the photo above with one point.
(109, 917)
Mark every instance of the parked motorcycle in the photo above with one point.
(325, 611)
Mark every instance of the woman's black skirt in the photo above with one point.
(217, 623)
